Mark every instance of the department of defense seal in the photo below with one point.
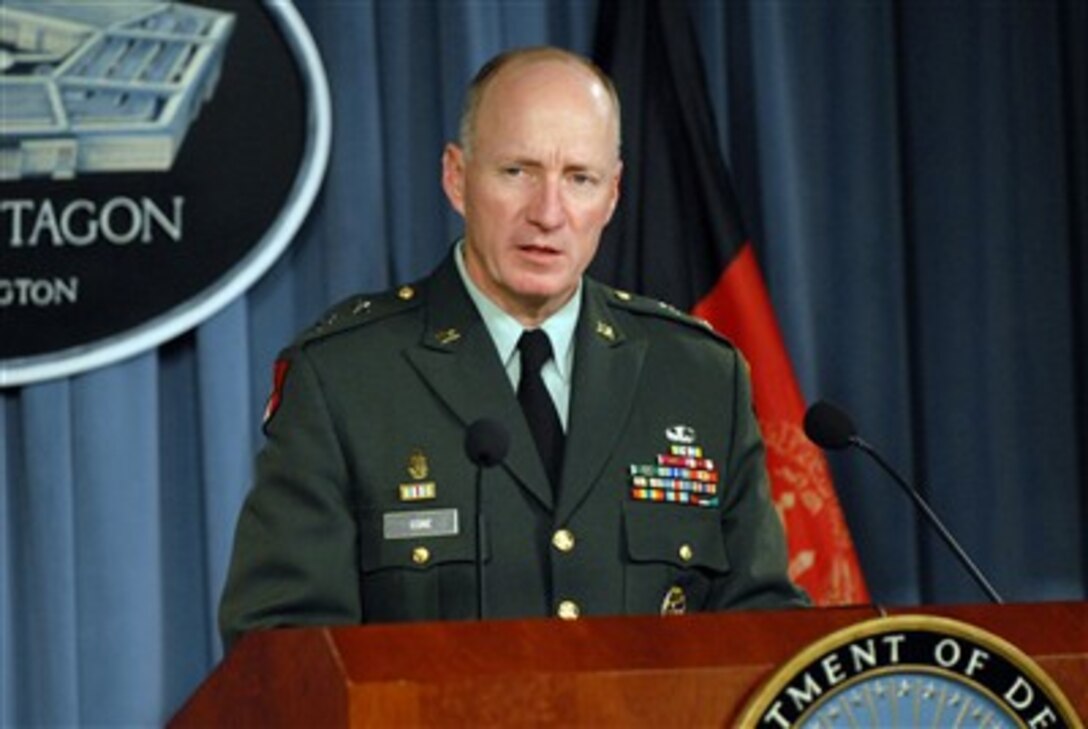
(910, 671)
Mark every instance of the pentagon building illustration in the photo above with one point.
(98, 86)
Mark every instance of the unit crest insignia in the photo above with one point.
(418, 469)
(417, 465)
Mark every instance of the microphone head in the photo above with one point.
(828, 426)
(487, 442)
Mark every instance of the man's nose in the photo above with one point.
(546, 207)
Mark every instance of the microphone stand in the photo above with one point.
(486, 444)
(480, 542)
(934, 520)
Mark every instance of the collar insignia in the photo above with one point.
(447, 336)
(606, 331)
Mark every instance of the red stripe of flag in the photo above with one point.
(822, 556)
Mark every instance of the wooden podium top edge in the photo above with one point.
(749, 638)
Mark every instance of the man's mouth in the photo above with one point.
(539, 250)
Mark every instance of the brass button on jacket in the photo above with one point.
(568, 610)
(563, 540)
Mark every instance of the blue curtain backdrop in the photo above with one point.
(915, 176)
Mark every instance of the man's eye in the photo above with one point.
(581, 179)
(513, 171)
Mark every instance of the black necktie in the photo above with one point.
(536, 402)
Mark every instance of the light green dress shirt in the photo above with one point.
(505, 331)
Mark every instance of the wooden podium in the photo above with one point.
(696, 670)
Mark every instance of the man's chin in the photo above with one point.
(543, 295)
(541, 292)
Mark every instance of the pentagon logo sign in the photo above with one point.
(156, 158)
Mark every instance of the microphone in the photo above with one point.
(486, 444)
(829, 427)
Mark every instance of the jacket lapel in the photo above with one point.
(457, 359)
(607, 366)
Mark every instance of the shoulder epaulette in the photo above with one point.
(361, 310)
(646, 306)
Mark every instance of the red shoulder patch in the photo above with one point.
(279, 377)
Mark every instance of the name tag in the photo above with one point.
(415, 524)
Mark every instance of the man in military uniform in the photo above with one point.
(636, 484)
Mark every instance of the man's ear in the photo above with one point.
(453, 176)
(616, 189)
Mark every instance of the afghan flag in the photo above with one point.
(677, 236)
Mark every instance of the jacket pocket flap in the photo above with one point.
(378, 550)
(684, 536)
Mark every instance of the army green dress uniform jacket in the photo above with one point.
(364, 506)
